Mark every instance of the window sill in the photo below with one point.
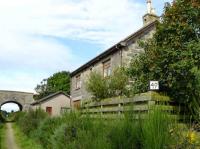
(77, 89)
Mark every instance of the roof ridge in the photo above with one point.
(112, 48)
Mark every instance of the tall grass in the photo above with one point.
(156, 130)
(31, 120)
(73, 131)
(23, 141)
(2, 136)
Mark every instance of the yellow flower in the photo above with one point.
(191, 137)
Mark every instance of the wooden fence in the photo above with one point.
(139, 104)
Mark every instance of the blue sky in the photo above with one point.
(41, 37)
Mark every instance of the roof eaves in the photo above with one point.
(112, 49)
(48, 97)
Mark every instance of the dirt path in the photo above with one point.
(10, 140)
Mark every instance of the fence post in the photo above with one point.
(151, 102)
(119, 106)
(101, 110)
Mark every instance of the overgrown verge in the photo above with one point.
(2, 136)
(72, 131)
(23, 140)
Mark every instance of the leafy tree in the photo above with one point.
(60, 81)
(172, 56)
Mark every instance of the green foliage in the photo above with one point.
(80, 133)
(2, 119)
(23, 141)
(60, 81)
(118, 82)
(2, 136)
(30, 121)
(172, 55)
(71, 131)
(97, 85)
(111, 86)
(125, 135)
(46, 130)
(156, 130)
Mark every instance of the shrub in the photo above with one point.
(111, 86)
(97, 86)
(2, 119)
(118, 82)
(30, 121)
(46, 130)
(81, 133)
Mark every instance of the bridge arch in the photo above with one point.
(17, 103)
(22, 99)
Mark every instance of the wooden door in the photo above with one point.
(49, 110)
(77, 104)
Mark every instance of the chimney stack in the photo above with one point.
(151, 15)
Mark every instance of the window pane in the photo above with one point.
(106, 68)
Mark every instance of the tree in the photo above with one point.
(60, 81)
(172, 56)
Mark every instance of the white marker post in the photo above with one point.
(154, 85)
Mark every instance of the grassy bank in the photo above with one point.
(71, 131)
(23, 141)
(2, 136)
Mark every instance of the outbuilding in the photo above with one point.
(54, 104)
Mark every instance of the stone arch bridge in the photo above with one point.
(22, 99)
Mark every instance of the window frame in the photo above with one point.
(78, 82)
(107, 68)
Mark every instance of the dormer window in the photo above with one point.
(107, 68)
(78, 82)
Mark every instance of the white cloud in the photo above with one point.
(23, 24)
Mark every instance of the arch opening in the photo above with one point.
(11, 106)
(9, 110)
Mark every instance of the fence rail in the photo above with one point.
(116, 107)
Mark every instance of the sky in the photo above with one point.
(10, 107)
(41, 37)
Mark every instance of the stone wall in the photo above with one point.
(23, 99)
(122, 57)
(77, 94)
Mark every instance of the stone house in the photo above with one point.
(54, 104)
(118, 55)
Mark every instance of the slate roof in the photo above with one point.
(114, 48)
(49, 97)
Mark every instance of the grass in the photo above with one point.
(23, 141)
(73, 131)
(2, 136)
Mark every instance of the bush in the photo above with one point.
(74, 131)
(30, 121)
(81, 133)
(2, 119)
(97, 86)
(118, 82)
(46, 130)
(111, 86)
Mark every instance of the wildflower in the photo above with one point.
(191, 137)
